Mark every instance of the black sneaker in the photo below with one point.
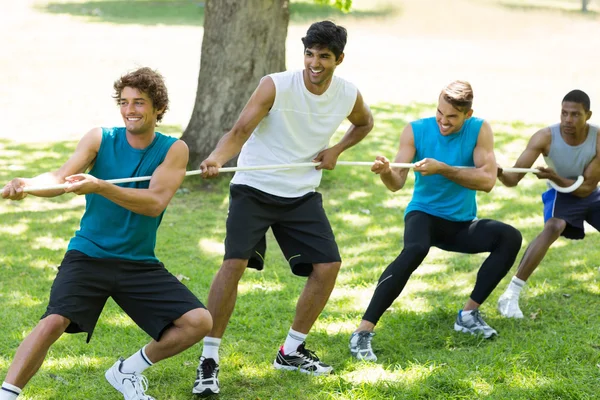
(207, 380)
(303, 360)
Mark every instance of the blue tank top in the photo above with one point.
(108, 230)
(435, 194)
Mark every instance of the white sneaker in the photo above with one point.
(303, 360)
(207, 378)
(508, 305)
(131, 385)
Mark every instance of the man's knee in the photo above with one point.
(327, 269)
(554, 227)
(233, 267)
(417, 251)
(197, 321)
(53, 325)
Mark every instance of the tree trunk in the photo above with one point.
(584, 5)
(243, 41)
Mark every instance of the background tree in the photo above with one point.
(584, 5)
(243, 41)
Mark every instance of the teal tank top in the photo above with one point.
(108, 230)
(435, 194)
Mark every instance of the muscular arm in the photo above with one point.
(395, 178)
(83, 157)
(483, 176)
(152, 201)
(231, 143)
(591, 175)
(538, 144)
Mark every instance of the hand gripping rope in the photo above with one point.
(561, 189)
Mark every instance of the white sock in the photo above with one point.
(210, 348)
(137, 363)
(516, 285)
(9, 392)
(293, 340)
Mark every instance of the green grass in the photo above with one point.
(552, 354)
(191, 12)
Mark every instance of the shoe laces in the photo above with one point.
(477, 318)
(364, 340)
(306, 353)
(207, 368)
(140, 384)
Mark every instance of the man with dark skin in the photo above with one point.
(570, 148)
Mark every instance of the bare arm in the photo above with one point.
(231, 143)
(482, 177)
(83, 157)
(395, 178)
(152, 201)
(538, 144)
(362, 123)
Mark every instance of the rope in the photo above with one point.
(568, 189)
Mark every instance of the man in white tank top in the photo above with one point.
(289, 118)
(572, 148)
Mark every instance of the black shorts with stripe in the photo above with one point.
(149, 294)
(299, 225)
(573, 210)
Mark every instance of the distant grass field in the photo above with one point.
(554, 353)
(191, 12)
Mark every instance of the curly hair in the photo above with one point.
(148, 81)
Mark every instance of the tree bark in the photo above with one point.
(243, 41)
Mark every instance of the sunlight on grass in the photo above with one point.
(21, 299)
(17, 229)
(49, 242)
(33, 204)
(355, 219)
(70, 362)
(359, 195)
(211, 246)
(430, 269)
(42, 264)
(118, 320)
(262, 286)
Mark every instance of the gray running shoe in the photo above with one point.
(473, 324)
(360, 346)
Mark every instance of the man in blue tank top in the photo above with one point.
(571, 148)
(442, 212)
(112, 254)
(290, 118)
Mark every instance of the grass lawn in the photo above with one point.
(554, 353)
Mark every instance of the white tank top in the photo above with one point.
(298, 126)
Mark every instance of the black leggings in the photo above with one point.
(421, 231)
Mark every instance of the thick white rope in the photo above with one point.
(568, 189)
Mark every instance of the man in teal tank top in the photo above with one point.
(572, 148)
(112, 254)
(443, 210)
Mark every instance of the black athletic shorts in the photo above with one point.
(299, 224)
(147, 292)
(573, 210)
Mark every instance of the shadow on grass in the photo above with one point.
(191, 12)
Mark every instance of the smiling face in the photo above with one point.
(449, 119)
(138, 112)
(319, 65)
